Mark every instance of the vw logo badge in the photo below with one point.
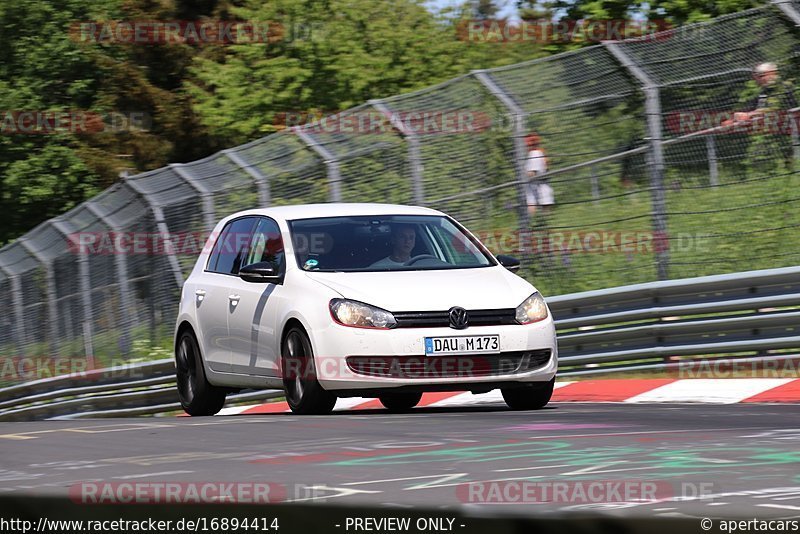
(458, 318)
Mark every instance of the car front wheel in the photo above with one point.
(304, 394)
(529, 397)
(197, 395)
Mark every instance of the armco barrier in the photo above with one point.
(629, 328)
(755, 312)
(134, 389)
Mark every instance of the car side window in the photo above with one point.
(232, 246)
(267, 244)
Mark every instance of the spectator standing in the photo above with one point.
(765, 104)
(539, 194)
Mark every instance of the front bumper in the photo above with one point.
(523, 344)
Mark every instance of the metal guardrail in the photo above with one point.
(752, 311)
(237, 398)
(99, 378)
(135, 389)
(630, 328)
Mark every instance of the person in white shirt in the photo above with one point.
(403, 240)
(538, 193)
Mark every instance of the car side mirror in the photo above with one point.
(509, 262)
(263, 272)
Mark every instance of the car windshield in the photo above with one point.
(384, 243)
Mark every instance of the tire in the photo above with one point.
(304, 394)
(400, 402)
(531, 397)
(198, 397)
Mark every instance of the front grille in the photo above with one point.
(426, 367)
(442, 318)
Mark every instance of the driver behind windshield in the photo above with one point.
(402, 240)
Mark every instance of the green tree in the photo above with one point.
(332, 55)
(45, 66)
(677, 12)
(680, 12)
(484, 9)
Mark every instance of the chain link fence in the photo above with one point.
(652, 175)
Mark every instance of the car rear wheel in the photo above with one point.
(530, 397)
(304, 394)
(400, 402)
(197, 395)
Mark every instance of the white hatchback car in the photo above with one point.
(368, 300)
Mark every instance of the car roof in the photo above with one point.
(334, 209)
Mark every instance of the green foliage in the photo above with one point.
(334, 55)
(681, 12)
(45, 66)
(328, 56)
(677, 12)
(33, 185)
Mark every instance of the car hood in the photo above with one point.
(473, 289)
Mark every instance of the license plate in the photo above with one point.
(462, 345)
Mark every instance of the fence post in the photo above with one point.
(331, 162)
(209, 218)
(653, 114)
(86, 293)
(713, 167)
(414, 155)
(262, 182)
(520, 151)
(788, 9)
(50, 291)
(16, 302)
(595, 184)
(19, 312)
(795, 143)
(161, 226)
(121, 265)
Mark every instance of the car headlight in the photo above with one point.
(360, 315)
(533, 309)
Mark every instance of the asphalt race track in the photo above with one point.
(707, 460)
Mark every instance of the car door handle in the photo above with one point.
(234, 299)
(200, 294)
